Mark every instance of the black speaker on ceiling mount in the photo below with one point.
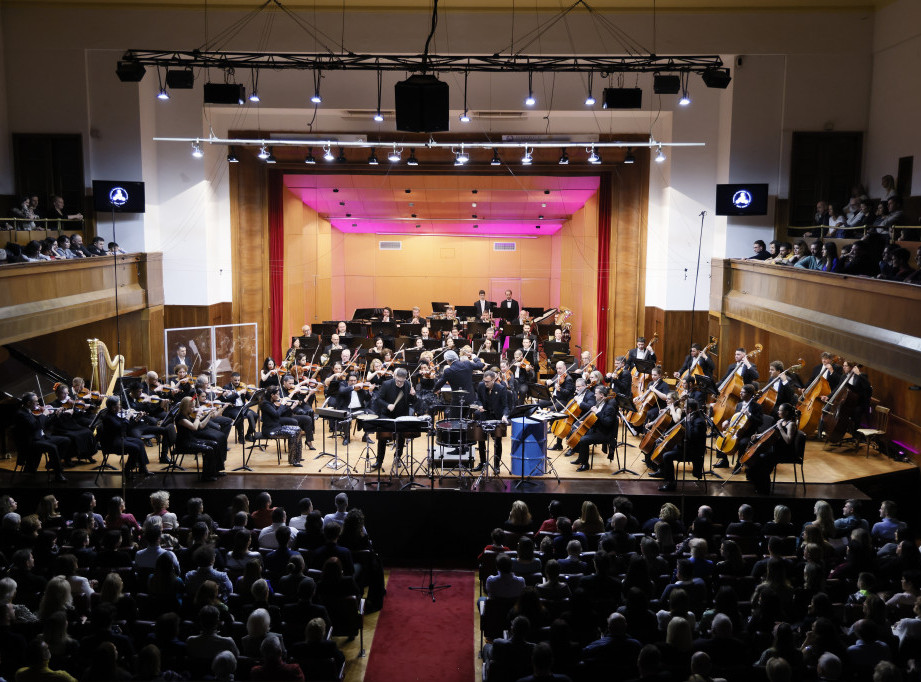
(663, 84)
(421, 104)
(716, 78)
(622, 98)
(224, 93)
(130, 71)
(180, 79)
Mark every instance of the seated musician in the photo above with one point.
(353, 397)
(207, 393)
(604, 430)
(585, 364)
(195, 434)
(183, 384)
(336, 377)
(673, 406)
(334, 347)
(696, 358)
(295, 406)
(386, 314)
(557, 336)
(270, 374)
(746, 406)
(378, 350)
(149, 415)
(79, 391)
(30, 431)
(743, 367)
(341, 329)
(417, 316)
(491, 403)
(307, 331)
(690, 448)
(425, 333)
(783, 387)
(65, 424)
(152, 386)
(293, 351)
(506, 378)
(275, 423)
(377, 374)
(450, 313)
(526, 333)
(236, 394)
(529, 351)
(392, 400)
(486, 346)
(116, 436)
(641, 352)
(759, 466)
(523, 372)
(619, 379)
(859, 383)
(563, 388)
(345, 356)
(658, 388)
(419, 345)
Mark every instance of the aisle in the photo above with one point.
(417, 639)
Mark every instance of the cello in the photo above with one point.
(660, 426)
(667, 442)
(563, 427)
(728, 441)
(730, 390)
(768, 398)
(811, 401)
(582, 426)
(838, 411)
(643, 404)
(638, 382)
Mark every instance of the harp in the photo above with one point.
(106, 370)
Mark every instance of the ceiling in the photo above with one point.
(506, 205)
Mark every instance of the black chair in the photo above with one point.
(799, 456)
(348, 618)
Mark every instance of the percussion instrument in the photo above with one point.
(454, 432)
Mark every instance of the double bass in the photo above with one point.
(811, 402)
(730, 390)
(638, 383)
(768, 398)
(836, 415)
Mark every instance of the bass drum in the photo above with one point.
(492, 427)
(454, 432)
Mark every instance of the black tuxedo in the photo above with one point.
(509, 309)
(494, 401)
(749, 374)
(696, 427)
(482, 307)
(631, 357)
(32, 439)
(563, 392)
(604, 430)
(705, 364)
(386, 395)
(459, 376)
(344, 397)
(834, 377)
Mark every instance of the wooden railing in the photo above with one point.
(47, 297)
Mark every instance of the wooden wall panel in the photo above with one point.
(176, 316)
(675, 334)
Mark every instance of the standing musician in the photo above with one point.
(65, 424)
(274, 423)
(746, 405)
(482, 306)
(660, 390)
(32, 439)
(691, 448)
(604, 431)
(620, 379)
(743, 367)
(426, 372)
(857, 381)
(783, 387)
(641, 352)
(294, 399)
(458, 374)
(491, 403)
(696, 358)
(563, 389)
(393, 400)
(830, 371)
(206, 393)
(116, 436)
(354, 398)
(180, 358)
(509, 306)
(194, 434)
(759, 467)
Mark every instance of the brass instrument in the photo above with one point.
(102, 364)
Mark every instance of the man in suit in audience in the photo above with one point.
(746, 526)
(615, 653)
(510, 659)
(317, 557)
(505, 584)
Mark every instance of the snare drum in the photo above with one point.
(454, 432)
(488, 427)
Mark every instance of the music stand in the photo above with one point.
(552, 348)
(404, 425)
(478, 328)
(439, 306)
(386, 330)
(441, 325)
(364, 313)
(624, 404)
(491, 358)
(335, 416)
(643, 365)
(249, 403)
(465, 311)
(431, 344)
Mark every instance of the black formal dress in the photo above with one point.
(115, 438)
(696, 447)
(81, 438)
(275, 424)
(210, 442)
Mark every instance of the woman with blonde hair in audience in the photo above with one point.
(48, 512)
(519, 518)
(57, 597)
(679, 606)
(825, 519)
(159, 504)
(676, 653)
(781, 525)
(590, 521)
(663, 535)
(112, 592)
(671, 515)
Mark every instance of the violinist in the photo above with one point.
(183, 385)
(641, 352)
(585, 364)
(152, 386)
(491, 403)
(506, 378)
(270, 375)
(660, 390)
(332, 382)
(743, 367)
(147, 422)
(354, 398)
(759, 467)
(275, 424)
(393, 400)
(346, 357)
(207, 394)
(334, 346)
(32, 439)
(783, 386)
(79, 391)
(604, 430)
(236, 395)
(697, 357)
(749, 406)
(194, 434)
(426, 373)
(377, 374)
(151, 396)
(691, 448)
(81, 438)
(294, 397)
(529, 351)
(620, 378)
(116, 437)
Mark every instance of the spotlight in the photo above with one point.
(254, 97)
(263, 153)
(461, 157)
(372, 160)
(564, 158)
(465, 117)
(163, 94)
(394, 156)
(316, 99)
(341, 158)
(660, 155)
(593, 157)
(685, 97)
(196, 150)
(666, 84)
(629, 158)
(412, 160)
(496, 161)
(232, 157)
(590, 100)
(378, 117)
(309, 160)
(716, 78)
(529, 100)
(270, 158)
(526, 159)
(328, 154)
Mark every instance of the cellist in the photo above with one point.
(563, 388)
(758, 468)
(660, 390)
(747, 405)
(691, 448)
(604, 431)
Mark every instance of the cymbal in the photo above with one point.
(459, 390)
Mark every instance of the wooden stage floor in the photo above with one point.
(831, 472)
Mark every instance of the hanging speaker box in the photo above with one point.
(421, 104)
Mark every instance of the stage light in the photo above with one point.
(465, 117)
(196, 150)
(496, 161)
(378, 116)
(163, 94)
(328, 154)
(372, 160)
(316, 99)
(263, 153)
(130, 70)
(716, 78)
(526, 159)
(412, 160)
(232, 157)
(395, 155)
(270, 158)
(529, 100)
(590, 100)
(660, 155)
(564, 158)
(629, 158)
(462, 157)
(254, 97)
(685, 96)
(309, 160)
(593, 156)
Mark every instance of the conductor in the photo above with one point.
(458, 374)
(491, 403)
(391, 401)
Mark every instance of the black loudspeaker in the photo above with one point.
(623, 98)
(224, 93)
(666, 85)
(421, 104)
(716, 78)
(181, 79)
(130, 71)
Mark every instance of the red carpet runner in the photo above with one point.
(416, 639)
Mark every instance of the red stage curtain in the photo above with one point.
(276, 263)
(605, 206)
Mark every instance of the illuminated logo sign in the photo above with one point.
(118, 196)
(742, 199)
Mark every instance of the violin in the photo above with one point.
(524, 364)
